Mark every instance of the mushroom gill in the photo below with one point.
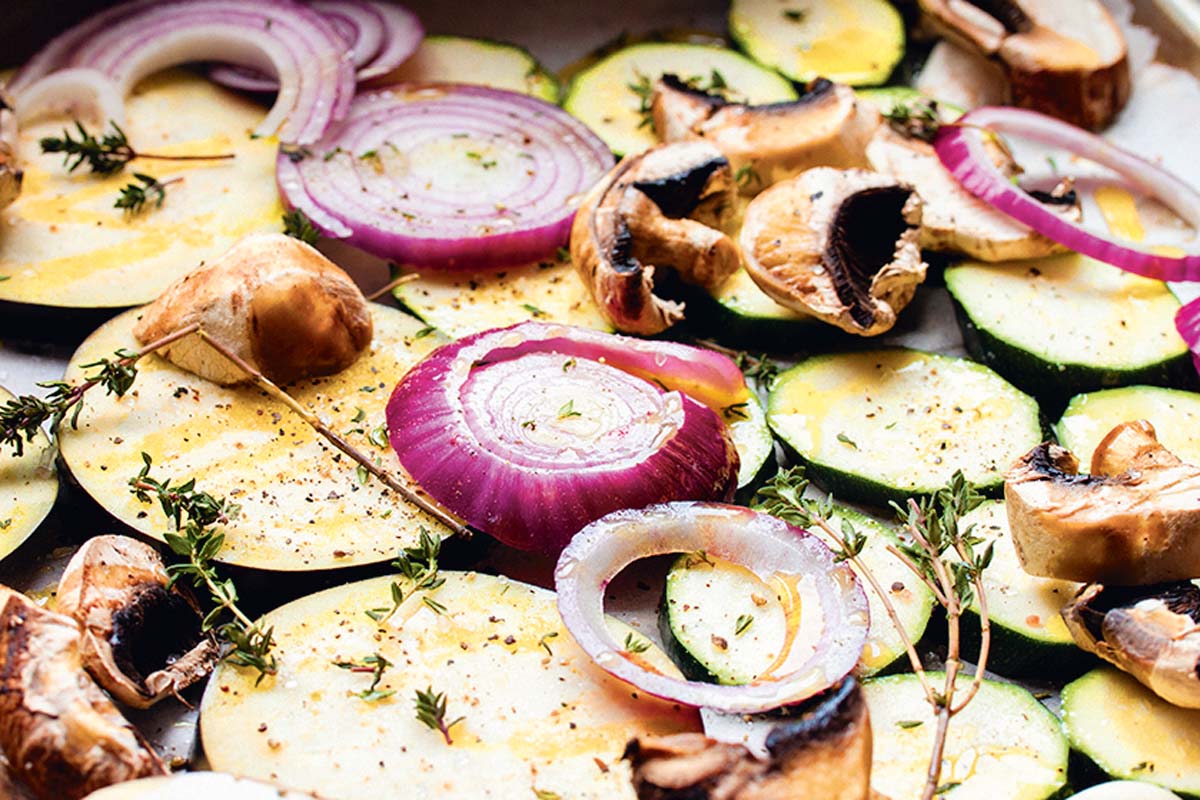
(840, 245)
(822, 751)
(664, 208)
(1135, 519)
(825, 127)
(1151, 632)
(274, 301)
(142, 638)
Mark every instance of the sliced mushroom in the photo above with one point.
(952, 218)
(142, 638)
(276, 302)
(661, 208)
(61, 734)
(821, 753)
(840, 245)
(1067, 59)
(1134, 520)
(10, 174)
(1151, 632)
(826, 127)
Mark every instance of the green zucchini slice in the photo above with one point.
(753, 440)
(611, 96)
(303, 505)
(1060, 326)
(1129, 732)
(28, 488)
(1004, 745)
(858, 42)
(885, 425)
(460, 304)
(1174, 414)
(538, 715)
(740, 314)
(459, 59)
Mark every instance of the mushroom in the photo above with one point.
(824, 752)
(952, 218)
(274, 301)
(1066, 59)
(1151, 632)
(1134, 520)
(661, 208)
(826, 127)
(142, 637)
(840, 245)
(61, 734)
(10, 174)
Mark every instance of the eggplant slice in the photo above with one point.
(662, 208)
(840, 245)
(1066, 58)
(826, 127)
(142, 637)
(822, 751)
(61, 734)
(1134, 520)
(1151, 632)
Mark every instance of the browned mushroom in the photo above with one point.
(10, 174)
(823, 752)
(142, 638)
(1064, 58)
(953, 219)
(276, 302)
(1134, 520)
(826, 127)
(840, 245)
(1151, 632)
(61, 735)
(663, 208)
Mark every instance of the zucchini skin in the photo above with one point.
(692, 669)
(1016, 655)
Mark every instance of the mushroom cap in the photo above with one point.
(1134, 520)
(274, 301)
(141, 640)
(840, 245)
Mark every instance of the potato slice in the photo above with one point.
(28, 488)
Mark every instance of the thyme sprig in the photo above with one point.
(107, 154)
(919, 119)
(195, 517)
(297, 225)
(431, 712)
(375, 664)
(419, 566)
(133, 198)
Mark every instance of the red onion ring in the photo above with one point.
(960, 148)
(530, 432)
(281, 36)
(768, 546)
(70, 91)
(447, 176)
(1187, 322)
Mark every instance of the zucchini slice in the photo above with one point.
(303, 505)
(28, 488)
(1028, 634)
(1004, 745)
(1060, 326)
(64, 244)
(196, 786)
(858, 42)
(460, 304)
(1174, 414)
(1129, 732)
(885, 425)
(609, 95)
(538, 715)
(740, 314)
(754, 442)
(460, 59)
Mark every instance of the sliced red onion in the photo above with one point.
(70, 91)
(1187, 322)
(530, 432)
(960, 148)
(447, 176)
(282, 37)
(834, 615)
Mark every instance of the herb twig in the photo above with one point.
(297, 225)
(133, 198)
(375, 664)
(431, 712)
(109, 153)
(419, 566)
(919, 119)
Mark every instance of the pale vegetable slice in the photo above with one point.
(460, 304)
(1004, 746)
(538, 715)
(197, 786)
(64, 244)
(28, 488)
(459, 59)
(304, 506)
(752, 438)
(1175, 415)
